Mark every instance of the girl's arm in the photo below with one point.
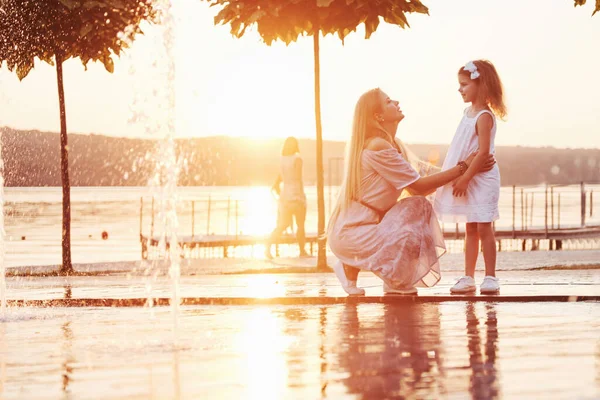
(484, 133)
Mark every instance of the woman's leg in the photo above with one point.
(488, 243)
(283, 221)
(471, 248)
(351, 272)
(300, 216)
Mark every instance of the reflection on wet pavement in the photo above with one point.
(355, 351)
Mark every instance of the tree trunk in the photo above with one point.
(67, 267)
(321, 252)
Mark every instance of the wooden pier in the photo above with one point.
(525, 232)
(554, 239)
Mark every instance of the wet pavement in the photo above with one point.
(455, 350)
(295, 288)
(297, 335)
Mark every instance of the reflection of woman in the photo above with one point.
(390, 356)
(292, 200)
(401, 354)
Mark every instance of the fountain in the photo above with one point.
(2, 264)
(154, 108)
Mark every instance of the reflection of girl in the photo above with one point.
(292, 200)
(483, 380)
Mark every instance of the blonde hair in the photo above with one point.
(364, 127)
(491, 91)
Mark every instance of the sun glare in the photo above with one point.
(264, 344)
(260, 211)
(265, 286)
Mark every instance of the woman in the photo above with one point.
(399, 241)
(292, 200)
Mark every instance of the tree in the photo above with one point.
(286, 20)
(57, 30)
(582, 2)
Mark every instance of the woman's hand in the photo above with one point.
(276, 188)
(487, 165)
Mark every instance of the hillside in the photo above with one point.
(32, 158)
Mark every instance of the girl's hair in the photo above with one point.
(364, 127)
(290, 147)
(491, 91)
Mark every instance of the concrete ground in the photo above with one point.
(240, 334)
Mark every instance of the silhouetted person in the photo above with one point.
(292, 199)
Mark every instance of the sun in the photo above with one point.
(259, 212)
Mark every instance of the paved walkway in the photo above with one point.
(297, 335)
(449, 350)
(121, 289)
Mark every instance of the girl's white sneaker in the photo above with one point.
(348, 285)
(490, 284)
(466, 284)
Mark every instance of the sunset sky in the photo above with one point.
(546, 51)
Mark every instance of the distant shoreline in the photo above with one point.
(220, 187)
(225, 161)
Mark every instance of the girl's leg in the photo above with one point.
(488, 242)
(471, 248)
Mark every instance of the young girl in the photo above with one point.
(473, 198)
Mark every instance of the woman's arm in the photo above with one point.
(276, 186)
(298, 171)
(428, 184)
(484, 133)
(423, 186)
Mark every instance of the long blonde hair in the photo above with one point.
(364, 127)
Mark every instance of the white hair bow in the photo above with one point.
(472, 68)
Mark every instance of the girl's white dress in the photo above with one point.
(481, 201)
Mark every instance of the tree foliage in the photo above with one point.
(582, 2)
(91, 30)
(286, 20)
